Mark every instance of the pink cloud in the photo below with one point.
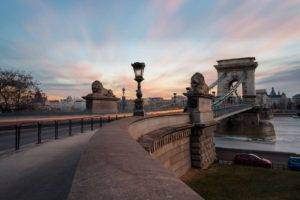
(169, 7)
(165, 22)
(268, 26)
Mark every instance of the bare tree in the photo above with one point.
(17, 91)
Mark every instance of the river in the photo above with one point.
(287, 131)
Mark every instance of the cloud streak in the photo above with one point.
(68, 45)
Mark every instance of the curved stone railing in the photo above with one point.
(145, 125)
(115, 165)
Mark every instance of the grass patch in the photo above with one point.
(222, 182)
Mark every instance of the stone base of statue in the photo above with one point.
(199, 107)
(101, 105)
(101, 101)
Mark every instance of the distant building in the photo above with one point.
(179, 100)
(157, 103)
(296, 101)
(79, 105)
(154, 99)
(277, 100)
(66, 105)
(53, 105)
(129, 105)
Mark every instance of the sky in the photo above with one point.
(67, 44)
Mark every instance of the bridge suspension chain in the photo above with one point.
(217, 81)
(228, 94)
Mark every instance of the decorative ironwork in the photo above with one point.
(224, 109)
(219, 111)
(229, 93)
(138, 102)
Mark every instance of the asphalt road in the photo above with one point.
(279, 159)
(43, 172)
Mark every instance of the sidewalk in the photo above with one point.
(43, 172)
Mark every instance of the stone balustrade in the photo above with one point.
(145, 125)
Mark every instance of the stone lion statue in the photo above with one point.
(98, 88)
(198, 85)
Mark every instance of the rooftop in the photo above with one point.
(261, 91)
(296, 96)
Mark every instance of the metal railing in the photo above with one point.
(219, 111)
(224, 97)
(15, 133)
(35, 127)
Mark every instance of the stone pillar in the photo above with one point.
(200, 108)
(202, 145)
(203, 151)
(250, 99)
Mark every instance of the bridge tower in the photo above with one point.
(245, 122)
(240, 70)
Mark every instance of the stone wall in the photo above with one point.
(175, 156)
(171, 146)
(202, 146)
(177, 145)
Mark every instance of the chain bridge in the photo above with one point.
(233, 73)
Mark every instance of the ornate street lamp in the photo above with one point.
(123, 102)
(174, 99)
(138, 102)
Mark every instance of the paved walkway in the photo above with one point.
(43, 172)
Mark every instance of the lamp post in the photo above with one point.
(174, 99)
(123, 102)
(138, 102)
